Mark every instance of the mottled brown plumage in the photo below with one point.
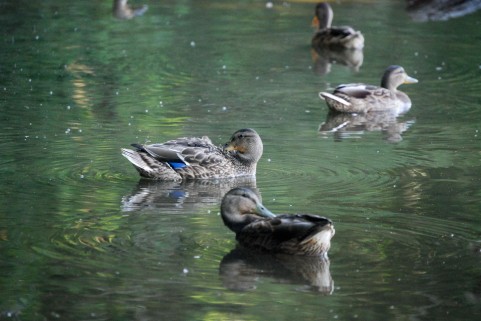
(122, 10)
(343, 37)
(259, 229)
(198, 158)
(362, 98)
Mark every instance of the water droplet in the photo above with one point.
(269, 5)
(185, 271)
(192, 43)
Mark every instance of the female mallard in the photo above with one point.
(122, 10)
(197, 158)
(343, 37)
(257, 228)
(362, 98)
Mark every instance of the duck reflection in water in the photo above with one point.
(323, 58)
(342, 125)
(193, 194)
(122, 10)
(241, 269)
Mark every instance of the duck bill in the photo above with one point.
(410, 80)
(229, 147)
(263, 211)
(315, 22)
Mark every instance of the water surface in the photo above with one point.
(82, 238)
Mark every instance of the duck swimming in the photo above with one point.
(343, 37)
(198, 158)
(362, 98)
(122, 10)
(259, 229)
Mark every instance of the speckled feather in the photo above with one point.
(197, 158)
(299, 234)
(342, 37)
(258, 229)
(363, 98)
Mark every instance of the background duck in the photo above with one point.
(122, 10)
(343, 37)
(197, 158)
(362, 98)
(257, 228)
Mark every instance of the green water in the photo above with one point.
(82, 239)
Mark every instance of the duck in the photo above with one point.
(259, 229)
(363, 98)
(122, 10)
(189, 158)
(343, 37)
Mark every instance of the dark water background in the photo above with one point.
(82, 239)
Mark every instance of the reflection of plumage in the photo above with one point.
(323, 58)
(241, 269)
(190, 195)
(258, 228)
(344, 125)
(334, 37)
(362, 98)
(198, 158)
(123, 10)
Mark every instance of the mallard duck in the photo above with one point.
(362, 98)
(198, 158)
(343, 37)
(122, 10)
(258, 228)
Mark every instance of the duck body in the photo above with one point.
(258, 229)
(122, 10)
(198, 158)
(364, 98)
(327, 36)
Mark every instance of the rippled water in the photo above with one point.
(81, 238)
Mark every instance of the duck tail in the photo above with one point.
(328, 96)
(136, 160)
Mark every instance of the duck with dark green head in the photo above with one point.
(259, 229)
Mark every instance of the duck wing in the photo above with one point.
(182, 152)
(360, 91)
(271, 233)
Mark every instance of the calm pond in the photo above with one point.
(82, 238)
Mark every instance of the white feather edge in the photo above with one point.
(324, 95)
